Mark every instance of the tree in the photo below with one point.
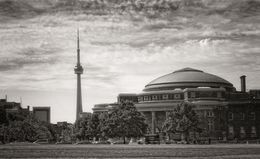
(125, 121)
(82, 128)
(87, 128)
(95, 126)
(21, 131)
(182, 119)
(103, 117)
(25, 128)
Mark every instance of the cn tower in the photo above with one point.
(78, 71)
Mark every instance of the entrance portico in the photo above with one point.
(155, 114)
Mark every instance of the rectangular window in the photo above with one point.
(230, 116)
(186, 95)
(140, 99)
(242, 116)
(231, 130)
(165, 96)
(242, 132)
(154, 97)
(145, 98)
(252, 116)
(219, 95)
(192, 95)
(210, 114)
(210, 125)
(253, 131)
(177, 96)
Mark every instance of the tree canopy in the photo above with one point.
(89, 127)
(125, 121)
(25, 128)
(183, 119)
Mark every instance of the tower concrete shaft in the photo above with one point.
(78, 70)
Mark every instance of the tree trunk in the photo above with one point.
(124, 139)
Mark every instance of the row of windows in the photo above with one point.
(242, 131)
(180, 96)
(204, 94)
(241, 116)
(160, 97)
(204, 113)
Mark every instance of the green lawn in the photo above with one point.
(130, 151)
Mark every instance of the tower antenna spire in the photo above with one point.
(78, 49)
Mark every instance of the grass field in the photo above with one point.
(131, 151)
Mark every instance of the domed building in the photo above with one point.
(188, 78)
(224, 112)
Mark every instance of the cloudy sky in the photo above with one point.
(124, 46)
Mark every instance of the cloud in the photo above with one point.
(148, 8)
(124, 52)
(27, 57)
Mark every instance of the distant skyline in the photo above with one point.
(120, 53)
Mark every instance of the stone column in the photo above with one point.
(153, 122)
(166, 115)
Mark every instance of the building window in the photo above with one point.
(192, 95)
(252, 116)
(165, 96)
(177, 96)
(219, 95)
(145, 98)
(242, 132)
(140, 99)
(210, 114)
(242, 116)
(210, 125)
(253, 131)
(230, 130)
(230, 116)
(154, 97)
(186, 95)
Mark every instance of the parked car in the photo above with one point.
(101, 142)
(42, 141)
(141, 141)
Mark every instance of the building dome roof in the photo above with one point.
(187, 78)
